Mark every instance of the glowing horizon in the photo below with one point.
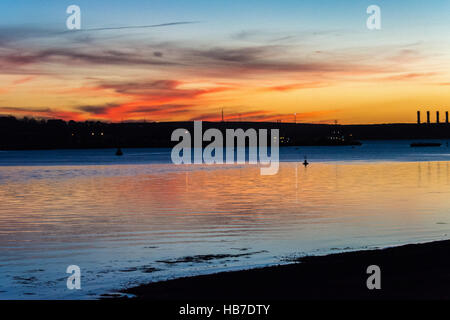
(259, 61)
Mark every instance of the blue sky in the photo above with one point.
(250, 13)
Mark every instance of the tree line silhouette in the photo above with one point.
(29, 133)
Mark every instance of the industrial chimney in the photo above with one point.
(446, 117)
(437, 116)
(418, 117)
(428, 117)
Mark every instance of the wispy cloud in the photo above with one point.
(409, 76)
(158, 90)
(297, 86)
(168, 24)
(67, 56)
(223, 62)
(98, 110)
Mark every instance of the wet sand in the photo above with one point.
(418, 271)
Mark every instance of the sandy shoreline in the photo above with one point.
(416, 271)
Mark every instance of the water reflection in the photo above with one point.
(111, 218)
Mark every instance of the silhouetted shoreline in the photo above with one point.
(417, 271)
(31, 134)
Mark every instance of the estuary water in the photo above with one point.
(138, 218)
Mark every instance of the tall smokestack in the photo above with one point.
(437, 116)
(428, 117)
(446, 117)
(418, 117)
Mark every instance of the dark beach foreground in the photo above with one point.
(418, 271)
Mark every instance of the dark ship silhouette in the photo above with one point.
(425, 144)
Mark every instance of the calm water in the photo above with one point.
(136, 219)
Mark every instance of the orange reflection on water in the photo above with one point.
(105, 200)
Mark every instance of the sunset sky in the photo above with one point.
(258, 60)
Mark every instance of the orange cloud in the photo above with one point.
(296, 86)
(24, 80)
(409, 76)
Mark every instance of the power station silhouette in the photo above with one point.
(419, 120)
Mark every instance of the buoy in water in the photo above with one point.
(305, 163)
